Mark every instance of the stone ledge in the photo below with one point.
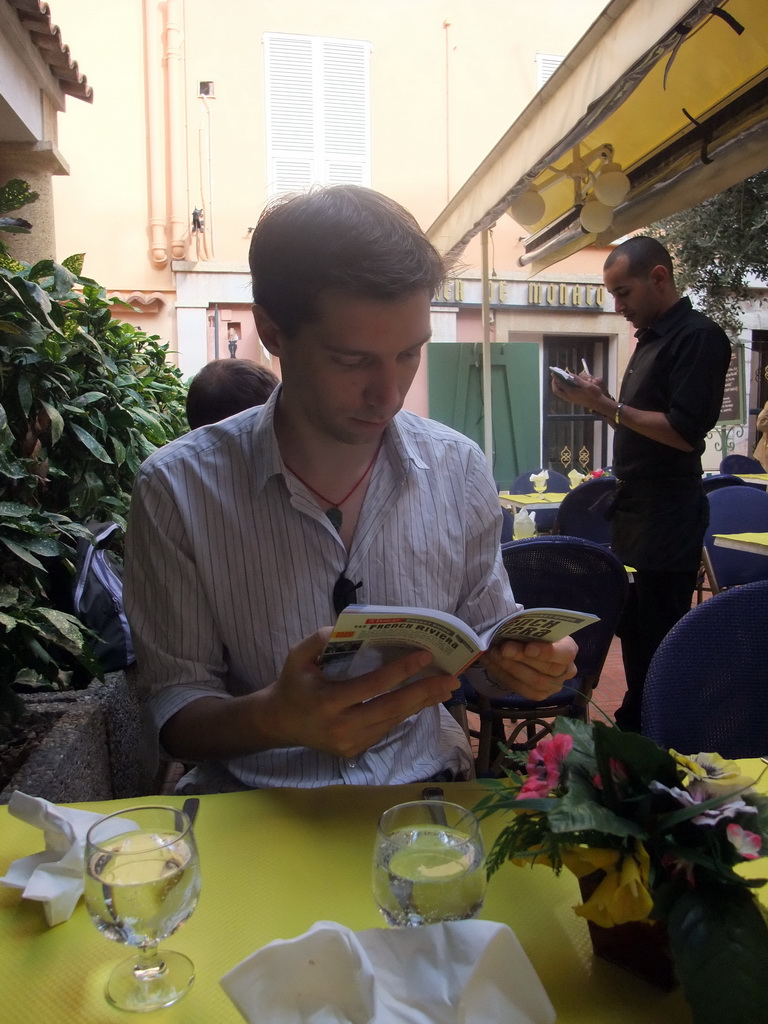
(96, 748)
(72, 762)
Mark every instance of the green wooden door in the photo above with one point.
(456, 399)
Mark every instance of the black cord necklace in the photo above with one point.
(333, 511)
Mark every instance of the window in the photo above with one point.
(546, 65)
(318, 111)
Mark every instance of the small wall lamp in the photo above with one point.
(596, 191)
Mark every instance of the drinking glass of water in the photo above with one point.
(142, 882)
(428, 863)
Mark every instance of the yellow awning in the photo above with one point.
(676, 93)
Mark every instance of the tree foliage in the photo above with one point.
(84, 398)
(718, 246)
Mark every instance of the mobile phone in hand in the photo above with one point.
(563, 376)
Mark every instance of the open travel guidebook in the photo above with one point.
(367, 636)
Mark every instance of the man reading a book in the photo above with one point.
(247, 537)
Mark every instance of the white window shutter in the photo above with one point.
(290, 118)
(318, 111)
(546, 65)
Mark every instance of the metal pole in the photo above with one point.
(487, 400)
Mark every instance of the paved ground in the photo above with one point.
(610, 691)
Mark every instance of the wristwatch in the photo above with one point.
(619, 407)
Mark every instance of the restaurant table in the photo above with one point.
(755, 478)
(532, 501)
(273, 862)
(754, 543)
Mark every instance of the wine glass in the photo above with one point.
(428, 863)
(142, 882)
(539, 484)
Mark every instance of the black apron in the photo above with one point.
(659, 525)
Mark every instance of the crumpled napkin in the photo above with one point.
(55, 875)
(543, 475)
(458, 972)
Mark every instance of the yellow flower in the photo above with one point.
(623, 894)
(583, 860)
(720, 776)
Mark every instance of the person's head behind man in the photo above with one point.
(226, 386)
(640, 277)
(342, 283)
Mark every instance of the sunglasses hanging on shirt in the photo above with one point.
(344, 593)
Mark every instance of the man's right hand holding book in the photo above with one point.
(303, 708)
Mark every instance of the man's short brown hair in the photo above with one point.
(342, 237)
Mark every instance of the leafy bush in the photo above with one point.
(84, 398)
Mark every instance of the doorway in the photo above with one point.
(573, 438)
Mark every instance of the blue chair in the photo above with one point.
(707, 684)
(555, 572)
(734, 510)
(557, 482)
(740, 464)
(714, 483)
(583, 511)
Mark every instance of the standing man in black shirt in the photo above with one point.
(670, 398)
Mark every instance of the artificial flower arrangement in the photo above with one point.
(660, 835)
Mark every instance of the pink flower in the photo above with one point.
(618, 771)
(747, 843)
(545, 764)
(680, 867)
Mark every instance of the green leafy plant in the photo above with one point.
(662, 836)
(84, 398)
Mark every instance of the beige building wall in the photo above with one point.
(447, 78)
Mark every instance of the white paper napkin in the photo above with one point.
(55, 875)
(543, 475)
(460, 972)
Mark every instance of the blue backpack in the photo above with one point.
(98, 597)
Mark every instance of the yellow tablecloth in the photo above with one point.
(533, 500)
(754, 543)
(273, 862)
